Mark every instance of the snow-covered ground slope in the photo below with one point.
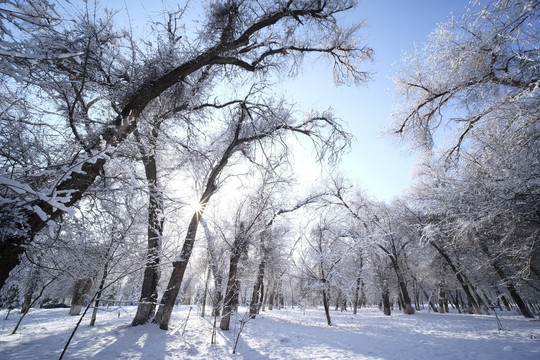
(278, 334)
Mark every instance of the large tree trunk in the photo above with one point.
(264, 300)
(80, 289)
(148, 298)
(359, 287)
(166, 306)
(231, 295)
(218, 295)
(461, 278)
(407, 307)
(75, 183)
(271, 294)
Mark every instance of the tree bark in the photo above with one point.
(213, 262)
(149, 295)
(265, 300)
(218, 295)
(81, 288)
(166, 306)
(164, 312)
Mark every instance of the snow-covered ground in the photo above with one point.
(278, 334)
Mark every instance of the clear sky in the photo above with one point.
(378, 164)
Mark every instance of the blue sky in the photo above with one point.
(378, 164)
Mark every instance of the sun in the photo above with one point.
(196, 207)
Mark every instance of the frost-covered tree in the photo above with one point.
(74, 87)
(251, 128)
(482, 66)
(486, 208)
(383, 225)
(478, 76)
(327, 246)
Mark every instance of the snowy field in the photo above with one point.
(278, 334)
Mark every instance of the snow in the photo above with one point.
(278, 334)
(42, 215)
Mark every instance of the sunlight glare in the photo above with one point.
(195, 207)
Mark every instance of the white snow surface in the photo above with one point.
(278, 334)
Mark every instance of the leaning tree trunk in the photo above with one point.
(461, 278)
(326, 307)
(326, 300)
(525, 311)
(407, 307)
(168, 299)
(164, 312)
(429, 299)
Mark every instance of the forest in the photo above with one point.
(157, 168)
